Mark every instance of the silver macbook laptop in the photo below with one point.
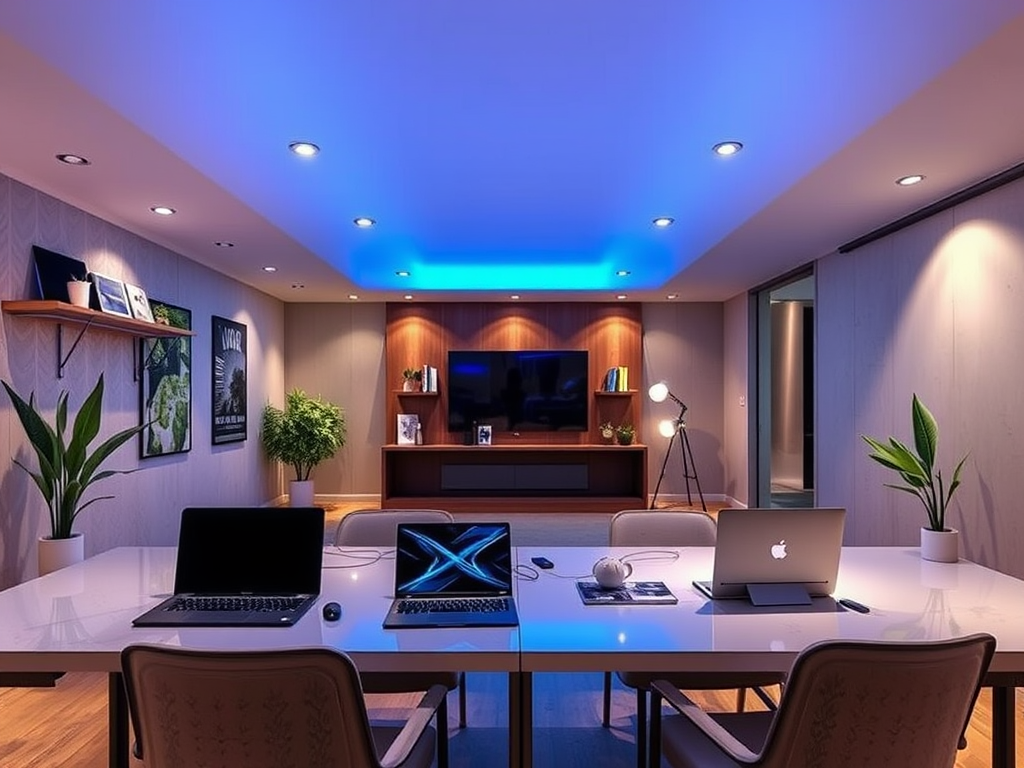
(243, 566)
(776, 556)
(453, 575)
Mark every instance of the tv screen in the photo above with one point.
(518, 391)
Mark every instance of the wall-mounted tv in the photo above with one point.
(518, 391)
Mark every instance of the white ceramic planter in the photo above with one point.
(940, 546)
(55, 554)
(300, 493)
(78, 293)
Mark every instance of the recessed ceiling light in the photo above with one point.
(663, 221)
(269, 268)
(298, 286)
(622, 273)
(408, 297)
(672, 296)
(73, 159)
(353, 297)
(402, 273)
(727, 148)
(909, 181)
(622, 297)
(224, 244)
(514, 297)
(162, 210)
(364, 222)
(304, 148)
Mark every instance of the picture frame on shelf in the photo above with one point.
(407, 424)
(139, 303)
(483, 434)
(112, 297)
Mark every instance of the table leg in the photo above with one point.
(117, 721)
(1003, 727)
(520, 720)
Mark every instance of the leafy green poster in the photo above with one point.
(167, 386)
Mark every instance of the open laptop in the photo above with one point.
(54, 270)
(453, 575)
(776, 556)
(243, 566)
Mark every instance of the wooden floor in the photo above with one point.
(66, 726)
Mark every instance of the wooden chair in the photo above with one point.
(846, 703)
(377, 528)
(264, 709)
(671, 528)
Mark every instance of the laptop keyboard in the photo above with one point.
(243, 603)
(454, 605)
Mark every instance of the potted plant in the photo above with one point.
(67, 468)
(411, 378)
(78, 292)
(624, 434)
(607, 430)
(308, 431)
(917, 471)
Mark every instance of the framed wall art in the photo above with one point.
(139, 303)
(166, 391)
(229, 381)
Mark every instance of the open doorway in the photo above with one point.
(785, 387)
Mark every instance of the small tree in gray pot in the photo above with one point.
(308, 431)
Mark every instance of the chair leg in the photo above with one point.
(462, 700)
(442, 733)
(606, 719)
(641, 728)
(741, 699)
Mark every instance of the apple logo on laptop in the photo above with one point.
(779, 550)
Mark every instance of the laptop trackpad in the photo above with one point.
(778, 594)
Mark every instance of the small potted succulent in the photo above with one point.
(917, 471)
(624, 434)
(411, 379)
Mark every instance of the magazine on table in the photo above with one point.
(644, 592)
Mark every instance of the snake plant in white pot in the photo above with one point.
(920, 478)
(67, 468)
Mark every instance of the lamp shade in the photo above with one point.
(668, 427)
(658, 392)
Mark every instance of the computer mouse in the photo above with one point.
(332, 611)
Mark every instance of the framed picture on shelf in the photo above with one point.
(111, 295)
(229, 381)
(483, 434)
(139, 303)
(407, 425)
(166, 391)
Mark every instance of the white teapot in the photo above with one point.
(611, 572)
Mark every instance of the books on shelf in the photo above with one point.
(637, 592)
(429, 382)
(616, 379)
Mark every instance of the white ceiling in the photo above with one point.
(508, 145)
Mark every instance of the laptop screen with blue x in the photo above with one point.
(453, 574)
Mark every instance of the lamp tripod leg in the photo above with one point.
(661, 476)
(687, 473)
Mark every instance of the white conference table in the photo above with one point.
(79, 619)
(910, 599)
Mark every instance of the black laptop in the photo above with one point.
(243, 566)
(453, 575)
(54, 270)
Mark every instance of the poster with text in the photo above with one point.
(229, 385)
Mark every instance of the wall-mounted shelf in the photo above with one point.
(404, 393)
(60, 312)
(606, 393)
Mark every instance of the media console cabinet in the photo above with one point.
(514, 478)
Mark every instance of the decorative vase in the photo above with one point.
(940, 546)
(410, 385)
(624, 439)
(300, 493)
(55, 554)
(78, 293)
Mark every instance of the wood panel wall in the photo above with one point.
(419, 334)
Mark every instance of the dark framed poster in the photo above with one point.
(229, 385)
(165, 402)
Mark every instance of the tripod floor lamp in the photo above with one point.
(676, 429)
